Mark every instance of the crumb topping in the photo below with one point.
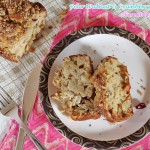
(17, 17)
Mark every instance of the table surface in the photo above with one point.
(13, 76)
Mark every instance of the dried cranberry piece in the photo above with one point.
(140, 106)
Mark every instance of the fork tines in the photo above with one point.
(6, 102)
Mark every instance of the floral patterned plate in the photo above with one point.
(98, 42)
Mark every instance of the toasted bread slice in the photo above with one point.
(75, 91)
(112, 85)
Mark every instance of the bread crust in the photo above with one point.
(20, 21)
(8, 56)
(85, 116)
(114, 103)
(76, 101)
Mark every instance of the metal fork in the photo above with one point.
(9, 108)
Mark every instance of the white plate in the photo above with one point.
(137, 63)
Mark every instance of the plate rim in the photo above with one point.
(44, 93)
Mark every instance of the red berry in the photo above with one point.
(140, 106)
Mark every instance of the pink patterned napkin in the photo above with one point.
(39, 124)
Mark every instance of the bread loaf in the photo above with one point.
(113, 99)
(75, 91)
(20, 21)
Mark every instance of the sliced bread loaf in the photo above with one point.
(75, 91)
(111, 81)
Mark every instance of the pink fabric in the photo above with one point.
(39, 124)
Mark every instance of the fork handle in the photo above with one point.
(31, 135)
(20, 140)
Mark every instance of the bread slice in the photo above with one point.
(75, 91)
(20, 22)
(113, 98)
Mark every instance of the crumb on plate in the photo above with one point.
(94, 51)
(139, 92)
(142, 87)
